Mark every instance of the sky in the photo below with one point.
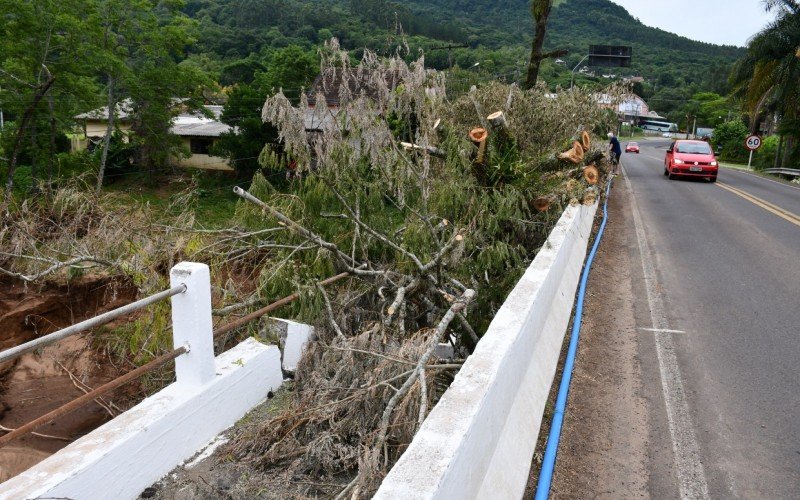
(726, 22)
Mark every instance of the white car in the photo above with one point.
(666, 134)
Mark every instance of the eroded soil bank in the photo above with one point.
(41, 381)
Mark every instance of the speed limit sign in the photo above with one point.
(752, 142)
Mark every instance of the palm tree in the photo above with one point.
(769, 74)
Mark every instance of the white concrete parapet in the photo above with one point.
(293, 337)
(478, 441)
(124, 456)
(131, 452)
(298, 335)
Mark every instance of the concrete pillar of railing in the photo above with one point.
(192, 324)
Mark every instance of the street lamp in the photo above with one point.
(572, 81)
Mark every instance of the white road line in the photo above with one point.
(661, 330)
(691, 474)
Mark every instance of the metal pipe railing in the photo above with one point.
(102, 319)
(94, 394)
(132, 375)
(271, 307)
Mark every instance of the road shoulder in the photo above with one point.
(604, 446)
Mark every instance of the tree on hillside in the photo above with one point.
(156, 79)
(141, 43)
(44, 75)
(114, 25)
(769, 74)
(141, 46)
(710, 109)
(540, 10)
(290, 69)
(55, 56)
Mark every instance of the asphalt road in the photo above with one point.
(722, 304)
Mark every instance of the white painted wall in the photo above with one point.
(136, 449)
(294, 337)
(478, 441)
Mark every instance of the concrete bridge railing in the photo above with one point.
(478, 441)
(137, 448)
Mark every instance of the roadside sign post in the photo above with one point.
(753, 142)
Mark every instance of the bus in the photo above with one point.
(658, 126)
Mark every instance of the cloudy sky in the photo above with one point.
(730, 22)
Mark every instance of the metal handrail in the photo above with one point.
(784, 171)
(130, 376)
(102, 319)
(94, 394)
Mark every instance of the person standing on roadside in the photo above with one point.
(616, 150)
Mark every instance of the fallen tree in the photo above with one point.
(432, 207)
(435, 230)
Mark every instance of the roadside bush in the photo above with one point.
(765, 156)
(23, 180)
(730, 137)
(73, 164)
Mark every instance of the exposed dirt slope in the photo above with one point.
(40, 381)
(28, 311)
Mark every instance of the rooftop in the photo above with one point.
(331, 84)
(193, 123)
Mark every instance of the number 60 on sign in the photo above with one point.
(752, 142)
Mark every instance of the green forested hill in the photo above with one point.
(663, 58)
(236, 34)
(659, 56)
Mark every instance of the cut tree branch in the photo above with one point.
(55, 267)
(329, 310)
(351, 265)
(398, 301)
(458, 305)
(370, 230)
(423, 397)
(41, 90)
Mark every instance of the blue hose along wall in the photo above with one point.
(549, 462)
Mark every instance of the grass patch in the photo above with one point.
(215, 201)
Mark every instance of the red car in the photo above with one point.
(632, 147)
(691, 159)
